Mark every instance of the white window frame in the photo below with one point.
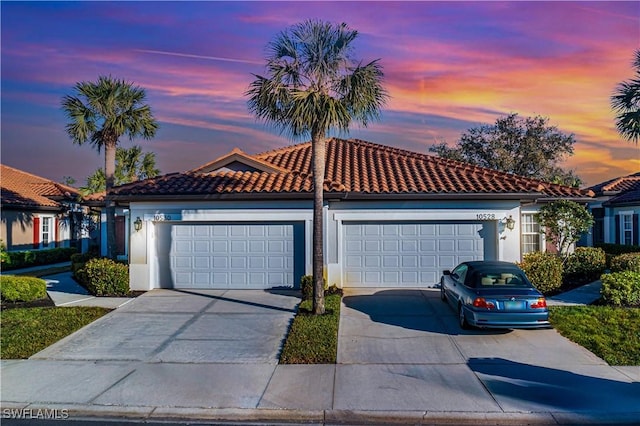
(49, 232)
(624, 216)
(542, 243)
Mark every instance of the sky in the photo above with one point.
(449, 67)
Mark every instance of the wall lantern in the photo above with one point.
(137, 224)
(509, 222)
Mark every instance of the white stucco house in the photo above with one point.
(393, 218)
(616, 208)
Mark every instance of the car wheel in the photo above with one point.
(462, 319)
(443, 296)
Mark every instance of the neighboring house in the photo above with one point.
(615, 209)
(38, 213)
(392, 218)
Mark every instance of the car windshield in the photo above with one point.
(497, 278)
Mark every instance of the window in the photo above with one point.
(626, 228)
(46, 231)
(531, 237)
(460, 273)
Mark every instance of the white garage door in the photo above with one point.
(405, 254)
(222, 256)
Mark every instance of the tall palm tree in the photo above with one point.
(313, 85)
(100, 113)
(626, 103)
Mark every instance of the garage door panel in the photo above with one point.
(408, 254)
(252, 256)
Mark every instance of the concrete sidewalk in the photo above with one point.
(401, 359)
(584, 295)
(65, 291)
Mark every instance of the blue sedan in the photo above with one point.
(493, 294)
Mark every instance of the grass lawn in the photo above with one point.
(611, 333)
(313, 339)
(26, 331)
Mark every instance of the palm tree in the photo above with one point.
(626, 103)
(100, 113)
(312, 86)
(129, 168)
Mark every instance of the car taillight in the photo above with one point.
(539, 304)
(480, 302)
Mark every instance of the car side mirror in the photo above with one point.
(446, 272)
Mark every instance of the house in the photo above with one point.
(391, 218)
(38, 213)
(615, 209)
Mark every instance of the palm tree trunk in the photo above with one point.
(318, 149)
(109, 171)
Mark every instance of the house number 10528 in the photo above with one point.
(486, 216)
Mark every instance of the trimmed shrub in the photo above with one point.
(586, 264)
(104, 277)
(306, 285)
(626, 262)
(617, 248)
(23, 259)
(621, 288)
(22, 289)
(544, 270)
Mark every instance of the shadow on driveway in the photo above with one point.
(518, 386)
(411, 309)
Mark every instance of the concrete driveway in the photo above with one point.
(403, 350)
(212, 356)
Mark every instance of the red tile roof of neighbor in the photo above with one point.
(22, 189)
(352, 166)
(618, 185)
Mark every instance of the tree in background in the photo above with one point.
(100, 113)
(626, 104)
(564, 222)
(527, 147)
(131, 165)
(313, 85)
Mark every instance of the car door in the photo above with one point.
(455, 289)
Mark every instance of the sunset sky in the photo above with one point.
(449, 66)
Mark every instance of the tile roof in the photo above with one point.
(618, 185)
(22, 189)
(352, 166)
(625, 198)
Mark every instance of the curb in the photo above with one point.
(332, 417)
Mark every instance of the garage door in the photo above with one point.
(224, 256)
(405, 254)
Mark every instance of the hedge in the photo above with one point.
(23, 259)
(585, 264)
(544, 270)
(22, 289)
(104, 277)
(615, 249)
(626, 262)
(621, 288)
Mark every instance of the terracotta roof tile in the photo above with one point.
(352, 166)
(22, 189)
(617, 185)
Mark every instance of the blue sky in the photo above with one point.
(449, 66)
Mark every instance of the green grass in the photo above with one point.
(611, 333)
(27, 331)
(313, 339)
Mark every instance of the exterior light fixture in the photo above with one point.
(509, 222)
(137, 224)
